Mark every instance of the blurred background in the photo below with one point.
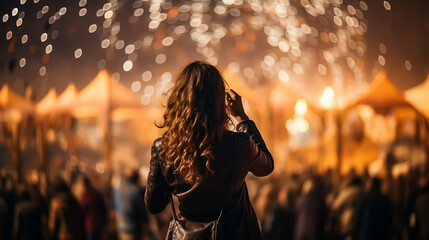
(336, 87)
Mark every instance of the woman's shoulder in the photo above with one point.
(157, 143)
(242, 138)
(229, 136)
(233, 134)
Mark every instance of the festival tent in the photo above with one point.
(13, 109)
(382, 95)
(116, 111)
(380, 128)
(102, 95)
(418, 96)
(65, 102)
(12, 105)
(48, 103)
(282, 102)
(142, 120)
(43, 108)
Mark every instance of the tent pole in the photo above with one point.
(338, 124)
(16, 152)
(108, 134)
(426, 146)
(42, 150)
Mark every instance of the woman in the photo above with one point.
(194, 158)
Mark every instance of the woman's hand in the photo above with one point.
(235, 106)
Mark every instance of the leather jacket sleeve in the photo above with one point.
(261, 162)
(158, 191)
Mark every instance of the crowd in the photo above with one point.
(318, 206)
(299, 207)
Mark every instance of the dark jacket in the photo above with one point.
(27, 221)
(203, 201)
(373, 217)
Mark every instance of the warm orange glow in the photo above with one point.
(301, 107)
(45, 58)
(33, 49)
(297, 125)
(327, 98)
(11, 48)
(173, 12)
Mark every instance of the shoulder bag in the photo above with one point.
(191, 230)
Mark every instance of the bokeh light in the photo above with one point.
(300, 43)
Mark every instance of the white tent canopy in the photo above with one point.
(383, 94)
(103, 94)
(418, 96)
(143, 121)
(10, 99)
(66, 101)
(12, 105)
(47, 103)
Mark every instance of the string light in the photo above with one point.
(274, 40)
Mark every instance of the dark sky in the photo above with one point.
(398, 31)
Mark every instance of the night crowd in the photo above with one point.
(306, 206)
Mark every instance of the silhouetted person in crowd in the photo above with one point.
(94, 210)
(311, 212)
(128, 202)
(421, 213)
(66, 221)
(373, 215)
(345, 204)
(3, 214)
(7, 205)
(27, 220)
(41, 202)
(265, 199)
(280, 218)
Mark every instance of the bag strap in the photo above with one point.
(173, 210)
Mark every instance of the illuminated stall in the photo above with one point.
(108, 116)
(381, 132)
(418, 97)
(14, 124)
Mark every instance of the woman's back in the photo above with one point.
(194, 158)
(203, 201)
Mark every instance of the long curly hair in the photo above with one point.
(194, 120)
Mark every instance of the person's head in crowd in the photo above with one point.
(375, 184)
(131, 174)
(22, 192)
(313, 185)
(86, 181)
(60, 186)
(425, 188)
(286, 196)
(354, 181)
